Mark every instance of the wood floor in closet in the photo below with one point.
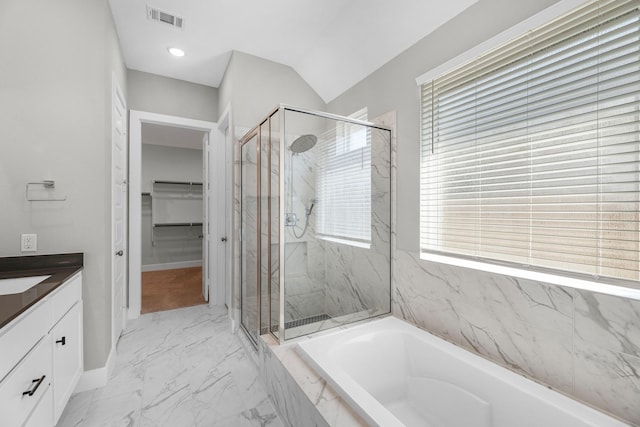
(170, 289)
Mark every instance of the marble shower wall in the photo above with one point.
(249, 231)
(584, 344)
(236, 269)
(303, 265)
(358, 278)
(301, 396)
(322, 277)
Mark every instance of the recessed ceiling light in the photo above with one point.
(176, 52)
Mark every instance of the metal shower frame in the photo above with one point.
(256, 131)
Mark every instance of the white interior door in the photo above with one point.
(206, 232)
(119, 206)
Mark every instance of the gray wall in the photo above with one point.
(171, 164)
(577, 342)
(164, 95)
(55, 123)
(393, 87)
(254, 86)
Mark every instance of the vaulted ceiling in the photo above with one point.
(332, 44)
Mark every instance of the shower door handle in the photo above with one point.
(223, 239)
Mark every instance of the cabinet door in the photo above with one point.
(41, 416)
(67, 357)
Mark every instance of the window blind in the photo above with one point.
(344, 182)
(530, 153)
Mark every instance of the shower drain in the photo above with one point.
(298, 322)
(306, 321)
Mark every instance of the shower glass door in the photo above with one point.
(249, 236)
(315, 223)
(336, 265)
(260, 207)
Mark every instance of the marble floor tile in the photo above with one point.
(177, 368)
(76, 410)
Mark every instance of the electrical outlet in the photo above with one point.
(29, 242)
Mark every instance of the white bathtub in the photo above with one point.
(395, 374)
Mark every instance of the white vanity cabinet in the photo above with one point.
(41, 358)
(66, 339)
(23, 389)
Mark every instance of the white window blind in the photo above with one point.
(530, 154)
(344, 182)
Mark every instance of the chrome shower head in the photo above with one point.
(303, 143)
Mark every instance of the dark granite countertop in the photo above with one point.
(60, 266)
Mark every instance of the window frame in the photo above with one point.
(620, 287)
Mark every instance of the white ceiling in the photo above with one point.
(332, 44)
(171, 136)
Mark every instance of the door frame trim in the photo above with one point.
(223, 293)
(116, 92)
(136, 119)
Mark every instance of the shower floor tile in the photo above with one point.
(177, 368)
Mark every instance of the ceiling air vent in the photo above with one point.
(167, 18)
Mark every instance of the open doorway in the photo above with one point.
(172, 178)
(171, 208)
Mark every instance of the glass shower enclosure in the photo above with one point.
(315, 222)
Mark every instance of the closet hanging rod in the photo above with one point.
(177, 224)
(177, 182)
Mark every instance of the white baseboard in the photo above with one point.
(96, 378)
(172, 265)
(133, 313)
(233, 315)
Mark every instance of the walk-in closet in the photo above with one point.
(172, 217)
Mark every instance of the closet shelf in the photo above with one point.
(174, 200)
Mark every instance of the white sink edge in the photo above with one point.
(20, 284)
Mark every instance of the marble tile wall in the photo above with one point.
(249, 229)
(305, 291)
(358, 278)
(584, 344)
(304, 274)
(234, 311)
(301, 396)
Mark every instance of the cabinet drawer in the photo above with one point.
(22, 334)
(67, 295)
(41, 416)
(24, 387)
